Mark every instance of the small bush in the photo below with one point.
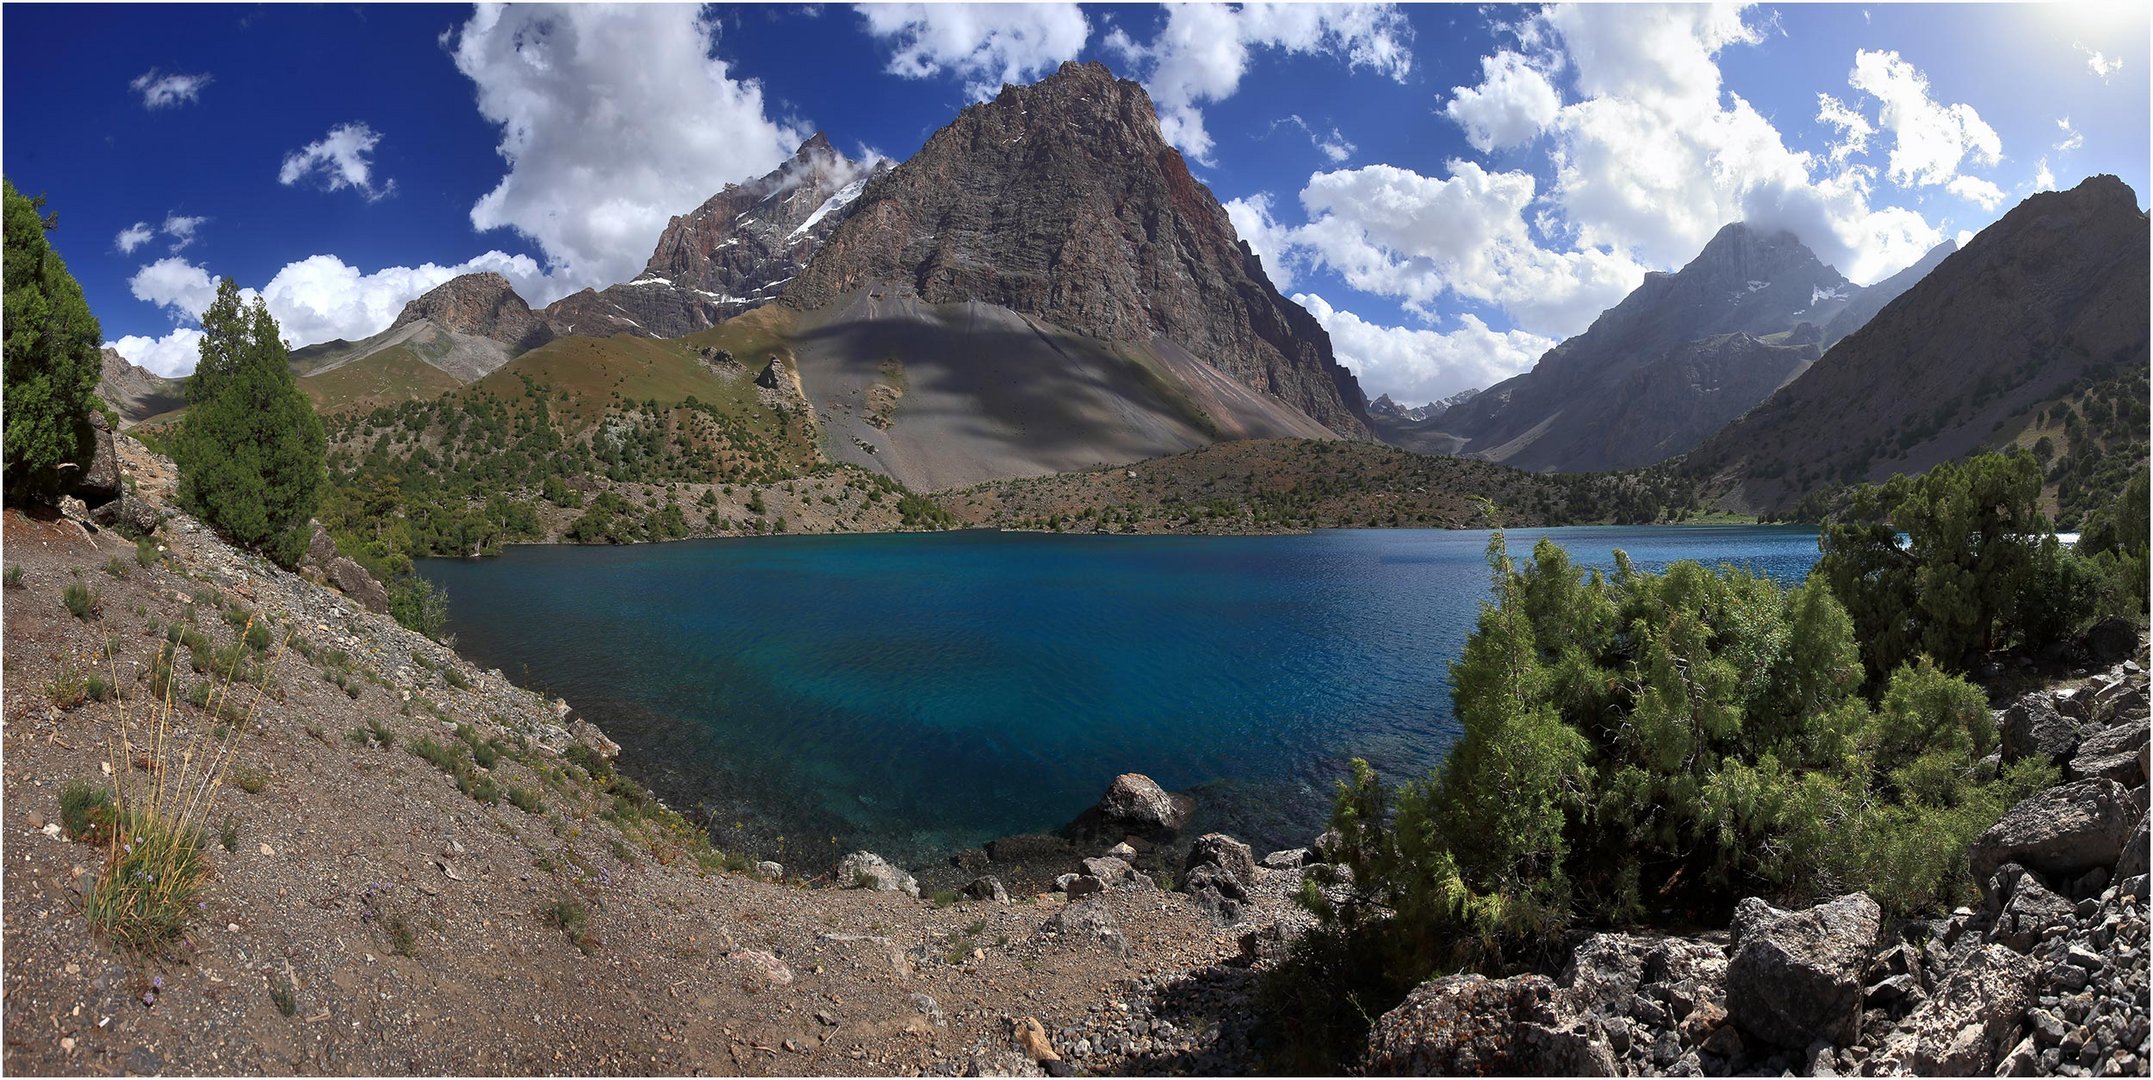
(98, 687)
(81, 602)
(116, 567)
(282, 996)
(944, 897)
(525, 799)
(85, 809)
(455, 677)
(228, 833)
(13, 577)
(146, 553)
(251, 781)
(401, 938)
(573, 919)
(69, 687)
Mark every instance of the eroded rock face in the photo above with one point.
(2059, 833)
(1471, 1025)
(735, 252)
(867, 870)
(482, 305)
(1061, 200)
(99, 481)
(1796, 978)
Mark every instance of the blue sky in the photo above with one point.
(1449, 188)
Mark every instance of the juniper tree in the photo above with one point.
(52, 353)
(250, 448)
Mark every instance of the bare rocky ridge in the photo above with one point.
(1061, 201)
(135, 393)
(479, 305)
(733, 253)
(1677, 359)
(2052, 295)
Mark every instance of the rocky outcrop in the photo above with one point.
(2051, 295)
(1062, 201)
(735, 252)
(1962, 1028)
(867, 870)
(480, 305)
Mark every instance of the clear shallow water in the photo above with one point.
(915, 694)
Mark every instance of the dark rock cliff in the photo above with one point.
(1061, 201)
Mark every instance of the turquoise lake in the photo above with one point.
(915, 694)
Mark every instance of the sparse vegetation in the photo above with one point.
(81, 601)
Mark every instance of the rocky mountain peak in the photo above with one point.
(1061, 201)
(733, 253)
(482, 305)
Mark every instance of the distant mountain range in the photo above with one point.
(1044, 288)
(1679, 358)
(2046, 303)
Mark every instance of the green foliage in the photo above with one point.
(52, 353)
(85, 809)
(81, 601)
(2114, 542)
(250, 448)
(420, 605)
(1963, 582)
(1649, 747)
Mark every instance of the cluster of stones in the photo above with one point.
(2047, 977)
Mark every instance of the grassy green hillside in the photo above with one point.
(391, 375)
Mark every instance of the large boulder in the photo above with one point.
(2059, 833)
(1135, 805)
(1970, 1020)
(2133, 860)
(1796, 977)
(98, 482)
(1224, 852)
(353, 580)
(321, 550)
(131, 514)
(867, 870)
(2034, 727)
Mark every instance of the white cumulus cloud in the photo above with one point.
(1975, 190)
(1929, 139)
(986, 45)
(340, 159)
(612, 120)
(1513, 103)
(1201, 54)
(132, 237)
(1332, 144)
(171, 356)
(1394, 232)
(161, 91)
(175, 284)
(1413, 365)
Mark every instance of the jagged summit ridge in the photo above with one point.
(1060, 200)
(735, 252)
